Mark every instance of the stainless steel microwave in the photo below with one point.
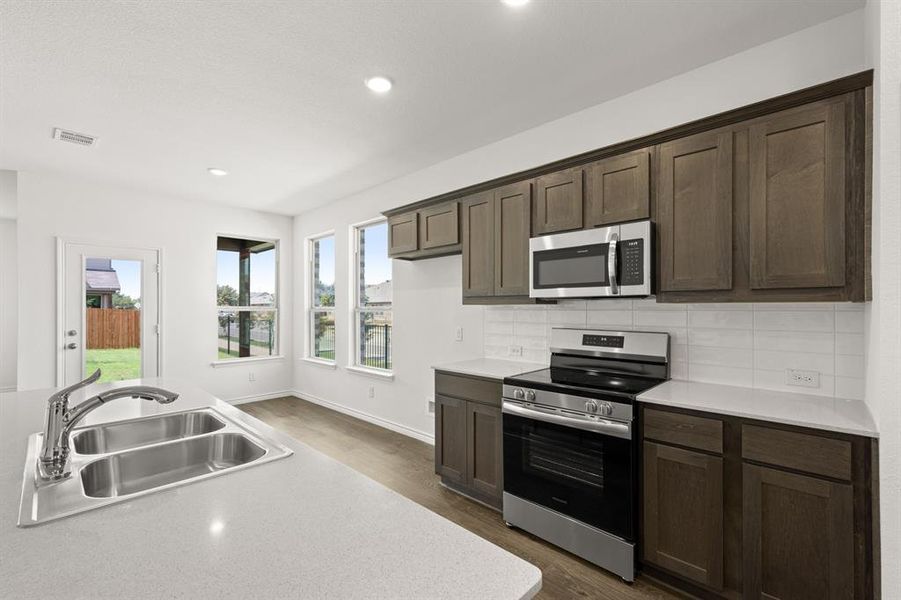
(606, 261)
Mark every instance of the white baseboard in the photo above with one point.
(364, 416)
(258, 397)
(7, 388)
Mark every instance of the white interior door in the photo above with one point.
(110, 314)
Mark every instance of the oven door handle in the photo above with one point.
(602, 426)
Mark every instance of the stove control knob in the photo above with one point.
(591, 406)
(530, 395)
(606, 409)
(518, 394)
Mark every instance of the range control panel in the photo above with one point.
(632, 269)
(603, 341)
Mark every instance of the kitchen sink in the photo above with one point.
(148, 468)
(123, 460)
(112, 437)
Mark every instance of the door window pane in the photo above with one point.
(113, 318)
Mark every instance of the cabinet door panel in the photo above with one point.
(478, 245)
(484, 450)
(695, 213)
(450, 438)
(797, 536)
(683, 513)
(403, 233)
(512, 227)
(558, 202)
(618, 189)
(797, 197)
(439, 226)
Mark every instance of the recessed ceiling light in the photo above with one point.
(515, 3)
(217, 172)
(379, 84)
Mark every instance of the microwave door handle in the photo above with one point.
(611, 263)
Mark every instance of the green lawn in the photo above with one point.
(115, 363)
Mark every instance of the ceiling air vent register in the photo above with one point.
(82, 139)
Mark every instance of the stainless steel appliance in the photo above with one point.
(570, 446)
(605, 261)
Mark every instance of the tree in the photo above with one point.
(123, 301)
(226, 295)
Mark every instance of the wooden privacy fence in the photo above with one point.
(113, 328)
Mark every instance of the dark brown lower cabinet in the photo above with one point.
(468, 436)
(683, 512)
(484, 453)
(450, 438)
(798, 536)
(757, 510)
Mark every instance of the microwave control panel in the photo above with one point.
(632, 269)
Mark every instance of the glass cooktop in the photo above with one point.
(585, 381)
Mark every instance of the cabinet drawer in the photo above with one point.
(800, 451)
(684, 430)
(484, 391)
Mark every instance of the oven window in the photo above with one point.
(580, 266)
(581, 474)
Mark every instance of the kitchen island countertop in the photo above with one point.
(305, 526)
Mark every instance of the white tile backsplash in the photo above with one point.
(750, 345)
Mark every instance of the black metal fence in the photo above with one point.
(324, 342)
(375, 345)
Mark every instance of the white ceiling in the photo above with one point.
(273, 90)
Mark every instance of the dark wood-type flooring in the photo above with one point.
(407, 466)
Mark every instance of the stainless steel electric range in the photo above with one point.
(570, 442)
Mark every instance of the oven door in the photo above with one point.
(585, 475)
(579, 264)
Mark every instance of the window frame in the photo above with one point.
(357, 310)
(311, 308)
(275, 309)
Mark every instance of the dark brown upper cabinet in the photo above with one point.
(618, 189)
(694, 212)
(798, 536)
(439, 226)
(797, 197)
(683, 512)
(478, 245)
(558, 202)
(512, 227)
(403, 233)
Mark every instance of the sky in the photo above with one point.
(129, 273)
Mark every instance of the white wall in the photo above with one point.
(425, 318)
(52, 205)
(8, 304)
(883, 47)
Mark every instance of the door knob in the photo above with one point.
(71, 345)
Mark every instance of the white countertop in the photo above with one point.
(803, 410)
(494, 368)
(305, 526)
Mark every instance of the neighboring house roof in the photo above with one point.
(378, 293)
(262, 298)
(101, 281)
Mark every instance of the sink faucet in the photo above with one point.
(54, 461)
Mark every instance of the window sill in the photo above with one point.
(377, 373)
(234, 362)
(319, 362)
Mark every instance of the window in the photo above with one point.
(247, 298)
(322, 303)
(373, 297)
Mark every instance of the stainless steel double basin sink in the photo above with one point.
(119, 461)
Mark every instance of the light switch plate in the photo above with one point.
(458, 334)
(802, 378)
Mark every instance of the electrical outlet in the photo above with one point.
(515, 350)
(458, 334)
(372, 391)
(251, 376)
(431, 406)
(802, 378)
